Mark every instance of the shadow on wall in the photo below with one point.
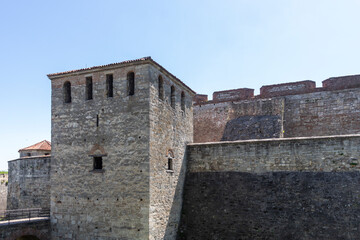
(272, 205)
(175, 212)
(252, 127)
(28, 237)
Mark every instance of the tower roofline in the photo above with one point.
(143, 60)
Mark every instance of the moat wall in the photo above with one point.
(29, 183)
(301, 188)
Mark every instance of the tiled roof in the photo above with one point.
(43, 145)
(121, 63)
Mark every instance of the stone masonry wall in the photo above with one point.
(3, 190)
(39, 229)
(322, 113)
(112, 203)
(297, 188)
(170, 130)
(319, 113)
(29, 183)
(258, 118)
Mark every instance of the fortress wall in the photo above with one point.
(322, 113)
(301, 188)
(3, 190)
(287, 88)
(29, 183)
(318, 113)
(258, 118)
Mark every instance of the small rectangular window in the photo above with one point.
(109, 85)
(97, 163)
(170, 164)
(89, 88)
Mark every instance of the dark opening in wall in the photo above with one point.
(170, 161)
(109, 85)
(97, 120)
(161, 88)
(89, 88)
(183, 101)
(131, 83)
(98, 163)
(170, 164)
(67, 92)
(172, 96)
(28, 154)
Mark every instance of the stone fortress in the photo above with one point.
(136, 154)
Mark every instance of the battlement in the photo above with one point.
(283, 89)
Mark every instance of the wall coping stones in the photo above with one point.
(276, 140)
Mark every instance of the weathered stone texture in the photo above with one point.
(287, 89)
(211, 120)
(132, 197)
(29, 183)
(312, 114)
(252, 127)
(303, 188)
(3, 190)
(343, 82)
(234, 94)
(272, 205)
(112, 203)
(322, 113)
(39, 229)
(170, 130)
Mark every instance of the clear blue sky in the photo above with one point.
(210, 45)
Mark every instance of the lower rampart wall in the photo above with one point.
(34, 229)
(299, 188)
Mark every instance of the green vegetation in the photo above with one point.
(3, 172)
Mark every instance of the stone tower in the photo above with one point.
(119, 133)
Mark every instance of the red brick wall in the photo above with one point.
(235, 94)
(200, 98)
(287, 89)
(342, 82)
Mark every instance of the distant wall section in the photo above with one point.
(284, 110)
(3, 190)
(238, 120)
(29, 183)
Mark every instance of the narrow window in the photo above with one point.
(109, 85)
(97, 120)
(97, 163)
(131, 83)
(161, 88)
(170, 164)
(67, 92)
(172, 96)
(183, 101)
(170, 160)
(89, 88)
